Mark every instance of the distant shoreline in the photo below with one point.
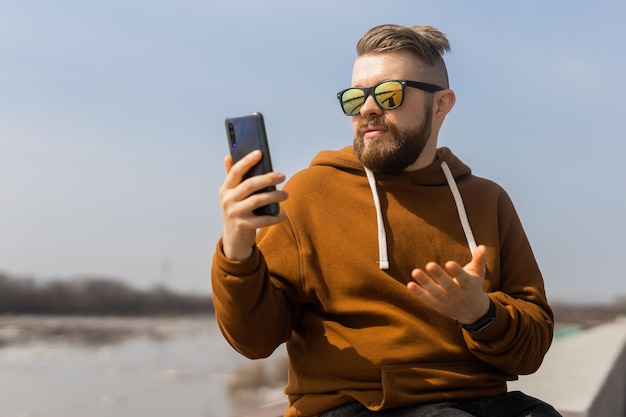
(95, 296)
(96, 330)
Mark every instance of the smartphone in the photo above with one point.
(246, 133)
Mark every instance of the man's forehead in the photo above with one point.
(374, 68)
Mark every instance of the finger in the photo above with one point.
(228, 163)
(454, 269)
(419, 291)
(239, 214)
(260, 186)
(416, 289)
(477, 266)
(256, 201)
(479, 261)
(427, 291)
(428, 283)
(238, 169)
(443, 277)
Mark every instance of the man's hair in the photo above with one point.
(424, 43)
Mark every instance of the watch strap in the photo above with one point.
(482, 322)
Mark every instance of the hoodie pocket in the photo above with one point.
(408, 384)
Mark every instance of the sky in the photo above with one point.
(112, 124)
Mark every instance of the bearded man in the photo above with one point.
(402, 284)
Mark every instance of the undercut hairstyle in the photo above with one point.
(424, 43)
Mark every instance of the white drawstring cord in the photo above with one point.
(460, 207)
(382, 236)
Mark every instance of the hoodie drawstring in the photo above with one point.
(382, 236)
(383, 262)
(460, 207)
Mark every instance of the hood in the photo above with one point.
(446, 169)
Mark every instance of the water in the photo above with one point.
(51, 367)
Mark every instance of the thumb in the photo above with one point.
(478, 263)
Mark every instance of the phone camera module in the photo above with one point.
(231, 135)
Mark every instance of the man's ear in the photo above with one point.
(443, 102)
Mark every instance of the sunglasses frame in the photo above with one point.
(369, 91)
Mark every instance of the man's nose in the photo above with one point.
(369, 108)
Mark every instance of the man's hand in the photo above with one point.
(454, 291)
(238, 202)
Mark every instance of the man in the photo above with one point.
(402, 284)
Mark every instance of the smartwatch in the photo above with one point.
(482, 322)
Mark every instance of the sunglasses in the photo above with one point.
(387, 95)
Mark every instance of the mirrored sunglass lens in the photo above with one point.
(389, 94)
(352, 100)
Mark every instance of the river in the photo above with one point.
(102, 367)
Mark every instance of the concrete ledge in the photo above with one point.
(584, 373)
(272, 410)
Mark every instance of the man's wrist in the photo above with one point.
(482, 322)
(237, 253)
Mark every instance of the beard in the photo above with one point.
(393, 155)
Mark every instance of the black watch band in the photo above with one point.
(482, 322)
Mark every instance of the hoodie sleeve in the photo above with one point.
(251, 311)
(257, 308)
(522, 331)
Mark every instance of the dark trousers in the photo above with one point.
(509, 404)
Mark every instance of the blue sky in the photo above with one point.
(112, 137)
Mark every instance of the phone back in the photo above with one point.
(245, 134)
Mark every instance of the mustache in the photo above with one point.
(377, 121)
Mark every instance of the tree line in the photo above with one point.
(95, 296)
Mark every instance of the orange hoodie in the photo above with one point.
(353, 330)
